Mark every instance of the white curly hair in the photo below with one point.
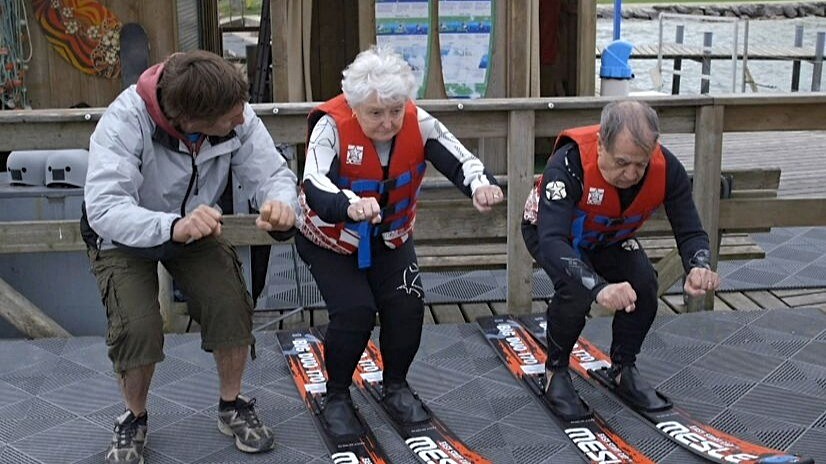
(378, 71)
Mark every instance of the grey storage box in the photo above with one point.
(67, 168)
(59, 283)
(28, 167)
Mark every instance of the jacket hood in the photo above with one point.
(147, 88)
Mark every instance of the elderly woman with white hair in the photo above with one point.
(366, 156)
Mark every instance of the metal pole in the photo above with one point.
(734, 49)
(678, 63)
(745, 55)
(659, 83)
(705, 76)
(818, 64)
(617, 18)
(798, 43)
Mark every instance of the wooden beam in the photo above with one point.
(367, 23)
(774, 212)
(71, 128)
(40, 236)
(520, 177)
(25, 316)
(64, 235)
(519, 48)
(448, 314)
(669, 270)
(586, 41)
(279, 49)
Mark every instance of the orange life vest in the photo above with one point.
(599, 219)
(360, 171)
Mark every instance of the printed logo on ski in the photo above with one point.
(591, 446)
(529, 362)
(428, 451)
(310, 364)
(345, 458)
(702, 444)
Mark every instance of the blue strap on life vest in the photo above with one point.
(364, 256)
(610, 222)
(381, 186)
(366, 231)
(577, 230)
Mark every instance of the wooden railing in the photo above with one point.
(519, 122)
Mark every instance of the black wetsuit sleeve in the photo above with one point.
(321, 173)
(330, 207)
(692, 240)
(559, 194)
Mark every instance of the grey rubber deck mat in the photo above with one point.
(282, 290)
(760, 375)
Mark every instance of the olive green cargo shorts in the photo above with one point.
(209, 273)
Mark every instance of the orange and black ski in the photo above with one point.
(430, 441)
(677, 425)
(592, 437)
(305, 358)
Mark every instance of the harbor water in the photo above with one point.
(769, 76)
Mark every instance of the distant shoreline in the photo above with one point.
(773, 10)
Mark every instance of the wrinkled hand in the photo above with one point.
(618, 297)
(700, 280)
(202, 222)
(275, 216)
(366, 209)
(486, 196)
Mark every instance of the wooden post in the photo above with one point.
(520, 175)
(367, 24)
(278, 26)
(798, 43)
(290, 28)
(708, 155)
(519, 49)
(586, 44)
(492, 151)
(25, 316)
(817, 70)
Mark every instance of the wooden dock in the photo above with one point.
(458, 313)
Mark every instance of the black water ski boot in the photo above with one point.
(633, 388)
(563, 397)
(404, 405)
(339, 415)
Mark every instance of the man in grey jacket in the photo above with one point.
(159, 160)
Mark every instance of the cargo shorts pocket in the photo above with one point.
(104, 269)
(115, 314)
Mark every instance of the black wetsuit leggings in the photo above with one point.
(571, 302)
(391, 287)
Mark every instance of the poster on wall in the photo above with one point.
(465, 38)
(404, 26)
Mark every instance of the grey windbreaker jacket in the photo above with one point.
(142, 176)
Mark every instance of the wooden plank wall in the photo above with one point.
(53, 83)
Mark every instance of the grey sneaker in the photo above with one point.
(241, 422)
(128, 439)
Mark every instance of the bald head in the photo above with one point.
(639, 119)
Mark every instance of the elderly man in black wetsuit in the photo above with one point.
(599, 186)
